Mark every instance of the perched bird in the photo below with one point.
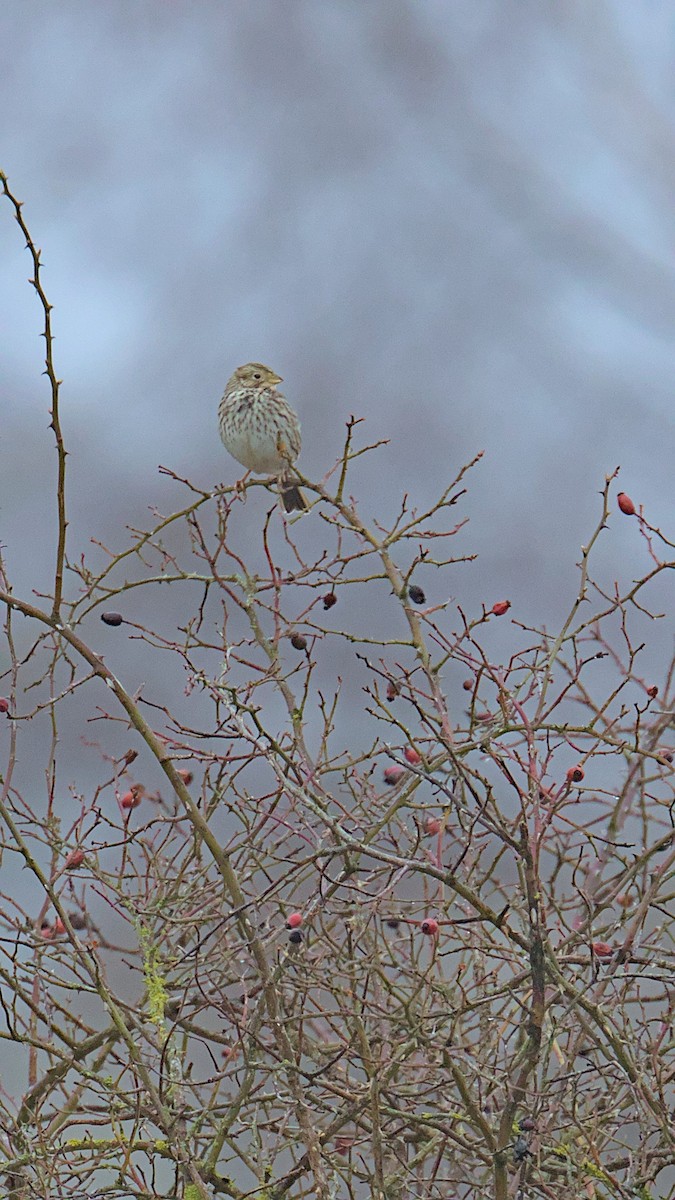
(260, 429)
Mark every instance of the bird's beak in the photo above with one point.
(277, 379)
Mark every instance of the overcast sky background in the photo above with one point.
(453, 219)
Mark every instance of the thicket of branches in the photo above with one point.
(398, 920)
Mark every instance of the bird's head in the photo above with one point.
(255, 375)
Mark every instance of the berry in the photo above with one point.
(298, 642)
(329, 600)
(393, 775)
(430, 927)
(575, 775)
(411, 756)
(501, 607)
(133, 797)
(392, 922)
(432, 826)
(74, 859)
(626, 504)
(4, 704)
(112, 618)
(294, 921)
(602, 950)
(468, 685)
(393, 690)
(77, 920)
(295, 937)
(652, 692)
(416, 594)
(665, 754)
(185, 775)
(624, 900)
(59, 927)
(526, 1124)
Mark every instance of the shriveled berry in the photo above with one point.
(602, 950)
(295, 937)
(430, 927)
(393, 775)
(393, 690)
(298, 642)
(468, 685)
(652, 692)
(392, 922)
(294, 921)
(526, 1124)
(410, 755)
(416, 594)
(501, 607)
(74, 859)
(4, 704)
(575, 774)
(432, 826)
(185, 775)
(665, 754)
(626, 504)
(329, 600)
(112, 618)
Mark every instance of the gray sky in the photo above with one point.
(453, 219)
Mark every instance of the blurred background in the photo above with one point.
(453, 220)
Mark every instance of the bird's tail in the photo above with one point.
(293, 498)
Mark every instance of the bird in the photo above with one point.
(260, 430)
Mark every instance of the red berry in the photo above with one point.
(430, 927)
(185, 775)
(294, 921)
(468, 685)
(652, 692)
(432, 826)
(575, 775)
(410, 754)
(74, 859)
(298, 642)
(501, 607)
(626, 504)
(624, 900)
(4, 705)
(602, 950)
(393, 775)
(329, 600)
(133, 797)
(59, 927)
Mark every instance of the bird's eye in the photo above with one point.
(256, 375)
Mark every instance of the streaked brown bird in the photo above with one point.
(260, 429)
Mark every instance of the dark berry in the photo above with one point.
(298, 642)
(416, 594)
(295, 936)
(112, 618)
(329, 600)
